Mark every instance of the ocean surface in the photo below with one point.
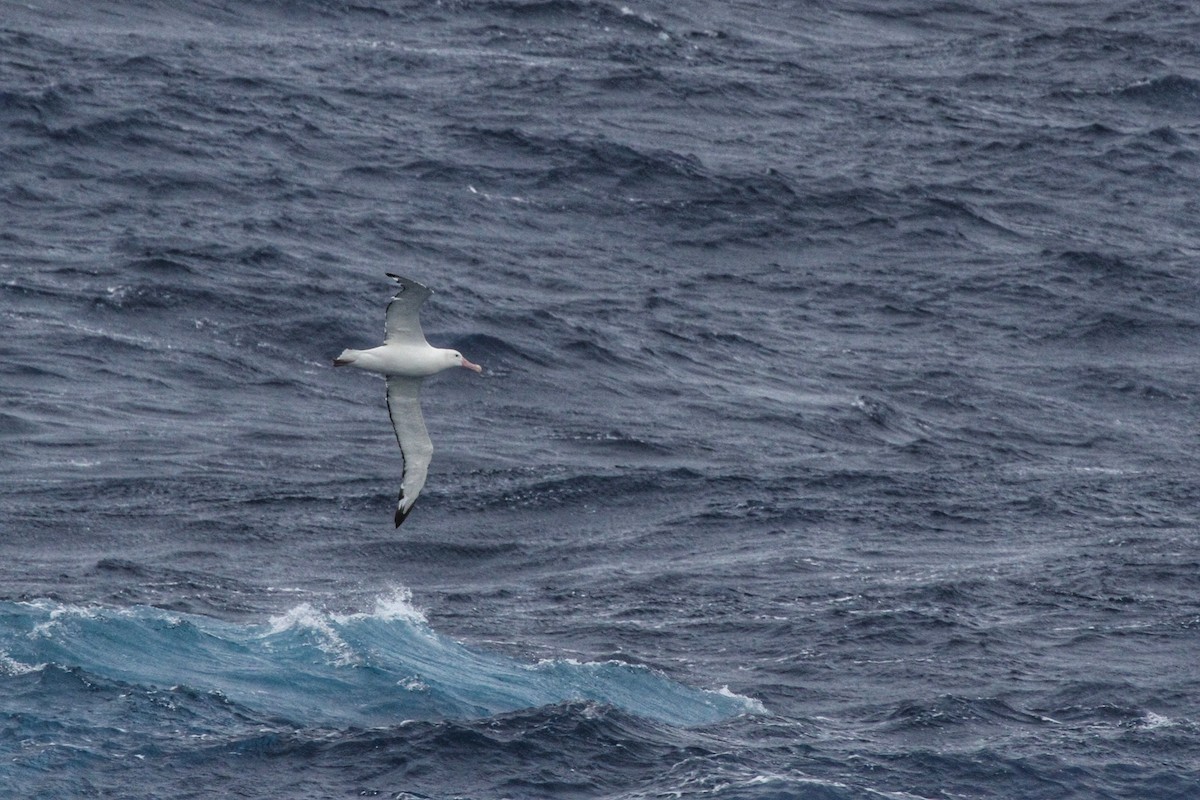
(837, 435)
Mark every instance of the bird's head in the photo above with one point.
(457, 359)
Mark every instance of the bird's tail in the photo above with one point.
(347, 357)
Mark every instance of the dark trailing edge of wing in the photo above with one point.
(404, 282)
(401, 515)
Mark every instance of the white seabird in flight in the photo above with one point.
(406, 359)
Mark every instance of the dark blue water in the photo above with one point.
(837, 436)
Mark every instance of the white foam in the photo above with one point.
(83, 463)
(1151, 721)
(397, 605)
(394, 606)
(751, 705)
(10, 666)
(329, 641)
(55, 612)
(547, 663)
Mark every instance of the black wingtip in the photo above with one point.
(401, 515)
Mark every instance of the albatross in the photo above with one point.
(406, 359)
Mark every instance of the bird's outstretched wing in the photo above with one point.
(403, 325)
(404, 407)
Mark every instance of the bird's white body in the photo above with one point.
(406, 359)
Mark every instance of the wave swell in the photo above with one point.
(315, 668)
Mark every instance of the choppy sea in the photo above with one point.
(837, 436)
